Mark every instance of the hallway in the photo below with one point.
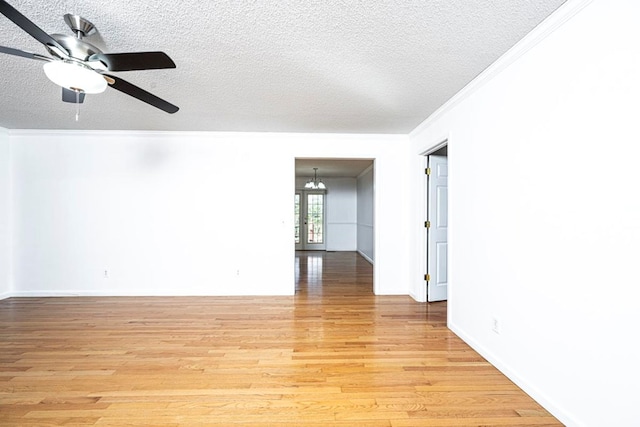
(338, 273)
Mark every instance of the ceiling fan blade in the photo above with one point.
(134, 61)
(22, 53)
(23, 22)
(72, 96)
(141, 94)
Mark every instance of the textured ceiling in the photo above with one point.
(331, 66)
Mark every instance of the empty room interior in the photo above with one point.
(319, 213)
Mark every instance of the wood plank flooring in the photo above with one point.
(332, 355)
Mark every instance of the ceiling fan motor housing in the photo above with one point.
(77, 48)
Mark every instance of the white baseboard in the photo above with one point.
(53, 294)
(366, 257)
(47, 294)
(532, 391)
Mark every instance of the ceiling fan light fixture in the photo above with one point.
(75, 76)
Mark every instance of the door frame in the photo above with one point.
(377, 207)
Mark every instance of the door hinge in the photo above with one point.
(427, 277)
(427, 171)
(427, 224)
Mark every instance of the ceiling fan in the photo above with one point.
(80, 68)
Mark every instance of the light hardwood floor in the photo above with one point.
(334, 354)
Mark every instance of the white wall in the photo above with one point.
(5, 215)
(177, 213)
(365, 189)
(340, 211)
(544, 212)
(341, 214)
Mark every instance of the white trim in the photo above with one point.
(376, 231)
(363, 255)
(424, 197)
(361, 224)
(391, 138)
(6, 295)
(51, 294)
(556, 20)
(361, 174)
(444, 141)
(127, 293)
(11, 232)
(7, 279)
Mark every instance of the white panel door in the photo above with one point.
(437, 231)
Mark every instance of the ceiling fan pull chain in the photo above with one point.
(77, 105)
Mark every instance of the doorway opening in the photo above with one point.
(337, 218)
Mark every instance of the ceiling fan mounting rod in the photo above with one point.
(81, 27)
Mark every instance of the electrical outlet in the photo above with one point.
(106, 274)
(495, 325)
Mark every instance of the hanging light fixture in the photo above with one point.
(75, 76)
(315, 183)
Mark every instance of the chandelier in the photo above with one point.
(315, 183)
